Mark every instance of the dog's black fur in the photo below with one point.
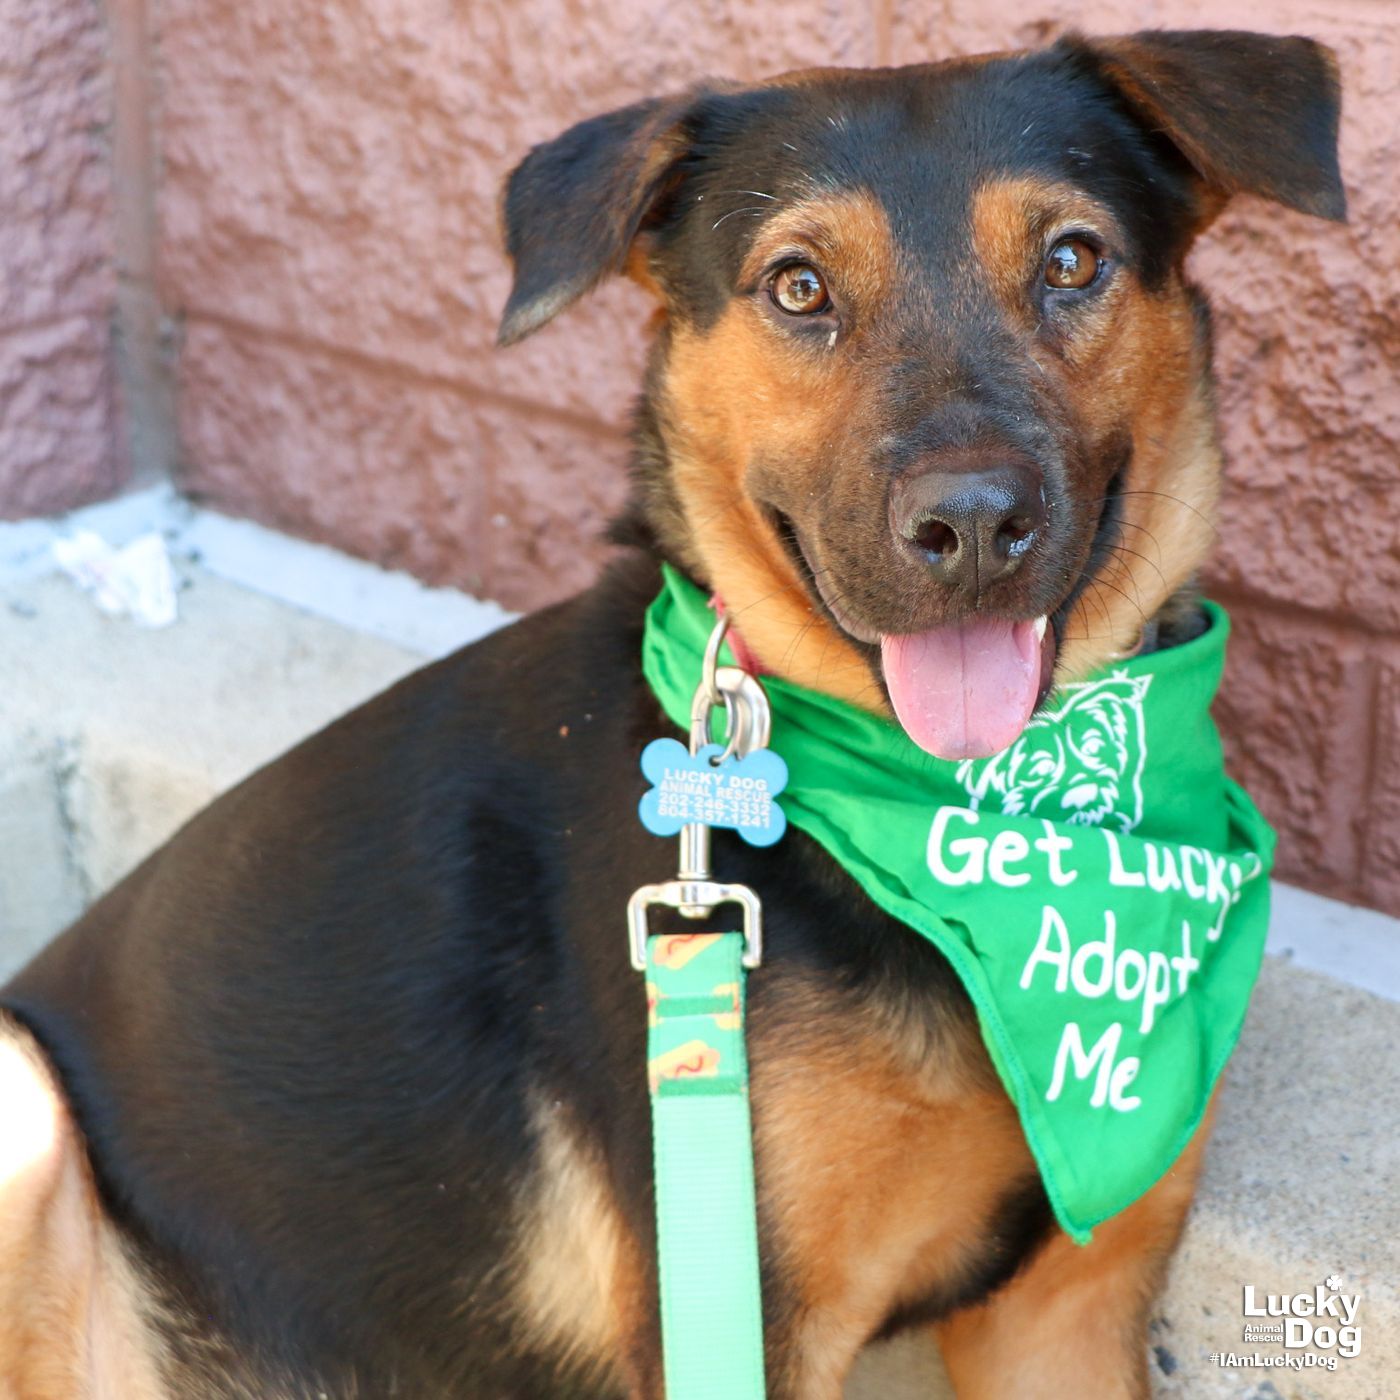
(306, 1039)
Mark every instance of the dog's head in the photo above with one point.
(929, 403)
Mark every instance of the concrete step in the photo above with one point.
(110, 737)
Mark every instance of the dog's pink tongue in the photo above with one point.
(965, 691)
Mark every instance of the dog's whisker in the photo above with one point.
(736, 501)
(1090, 596)
(1167, 496)
(1134, 525)
(1121, 548)
(1136, 607)
(747, 209)
(786, 587)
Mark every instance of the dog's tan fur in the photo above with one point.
(577, 1273)
(1072, 1323)
(74, 1311)
(738, 390)
(883, 1158)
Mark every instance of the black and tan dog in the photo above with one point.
(342, 1093)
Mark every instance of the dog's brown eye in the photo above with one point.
(1071, 265)
(799, 289)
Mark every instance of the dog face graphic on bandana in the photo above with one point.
(1080, 762)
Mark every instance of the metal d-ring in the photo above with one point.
(747, 716)
(710, 664)
(702, 710)
(708, 696)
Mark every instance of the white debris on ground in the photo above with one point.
(197, 543)
(135, 581)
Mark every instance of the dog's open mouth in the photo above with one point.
(968, 689)
(965, 689)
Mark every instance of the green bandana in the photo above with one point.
(1098, 886)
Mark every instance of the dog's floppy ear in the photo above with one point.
(1252, 113)
(574, 205)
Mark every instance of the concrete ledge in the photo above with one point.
(110, 737)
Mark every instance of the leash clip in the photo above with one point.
(693, 893)
(694, 899)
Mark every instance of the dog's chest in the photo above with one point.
(886, 1151)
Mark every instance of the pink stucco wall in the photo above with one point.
(59, 437)
(324, 247)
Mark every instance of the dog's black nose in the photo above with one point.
(972, 527)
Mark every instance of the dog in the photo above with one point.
(341, 1092)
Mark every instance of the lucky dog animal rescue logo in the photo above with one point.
(1315, 1328)
(1080, 763)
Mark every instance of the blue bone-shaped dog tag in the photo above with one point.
(737, 793)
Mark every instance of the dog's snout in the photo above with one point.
(972, 527)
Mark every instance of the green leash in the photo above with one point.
(697, 1068)
(707, 1231)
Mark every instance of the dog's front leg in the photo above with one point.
(1073, 1322)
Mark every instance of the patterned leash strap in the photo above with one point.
(711, 1308)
